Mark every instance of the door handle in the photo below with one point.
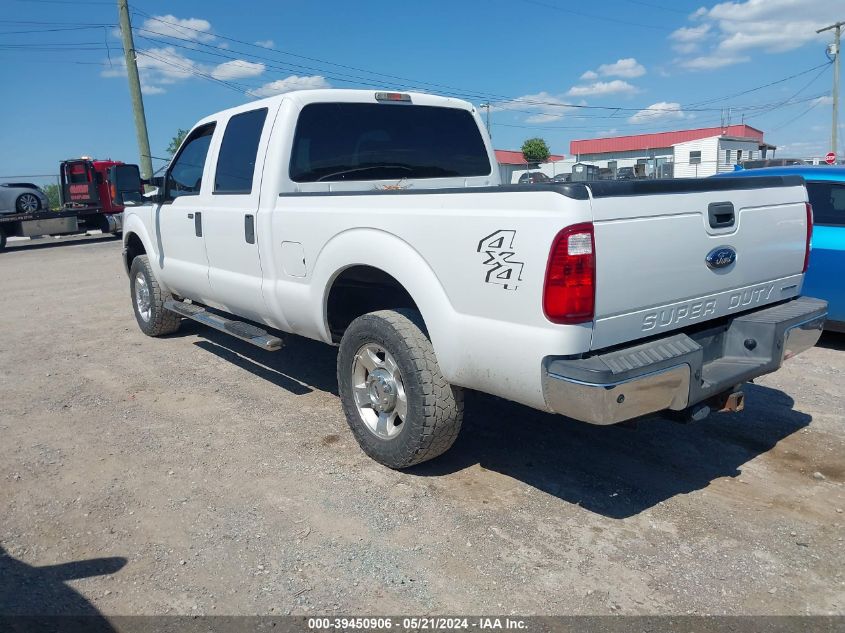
(197, 222)
(249, 229)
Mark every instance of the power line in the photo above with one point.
(68, 2)
(55, 30)
(756, 88)
(229, 54)
(226, 53)
(195, 72)
(602, 18)
(42, 23)
(281, 52)
(346, 78)
(795, 118)
(659, 6)
(752, 109)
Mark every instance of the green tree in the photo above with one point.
(52, 193)
(535, 150)
(176, 141)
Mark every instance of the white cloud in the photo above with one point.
(661, 111)
(688, 39)
(541, 107)
(157, 67)
(602, 88)
(152, 90)
(711, 62)
(265, 43)
(237, 69)
(628, 68)
(741, 27)
(804, 149)
(288, 84)
(164, 66)
(195, 29)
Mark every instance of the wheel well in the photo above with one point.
(359, 290)
(134, 247)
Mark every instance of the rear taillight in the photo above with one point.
(569, 295)
(809, 236)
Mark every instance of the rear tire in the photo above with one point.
(28, 203)
(2, 240)
(399, 406)
(148, 300)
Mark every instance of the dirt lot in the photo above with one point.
(195, 474)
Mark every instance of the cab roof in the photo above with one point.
(339, 95)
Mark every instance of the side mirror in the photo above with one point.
(125, 184)
(156, 192)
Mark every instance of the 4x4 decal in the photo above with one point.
(498, 248)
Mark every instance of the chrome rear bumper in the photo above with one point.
(681, 370)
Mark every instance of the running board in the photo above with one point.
(244, 331)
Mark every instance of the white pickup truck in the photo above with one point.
(377, 221)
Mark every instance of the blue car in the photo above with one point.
(825, 277)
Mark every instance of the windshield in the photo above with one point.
(374, 141)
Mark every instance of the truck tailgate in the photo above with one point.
(653, 239)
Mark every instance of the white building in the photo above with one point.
(682, 154)
(512, 165)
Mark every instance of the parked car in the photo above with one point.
(762, 163)
(533, 178)
(22, 197)
(626, 173)
(562, 178)
(321, 213)
(826, 191)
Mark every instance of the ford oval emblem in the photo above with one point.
(720, 257)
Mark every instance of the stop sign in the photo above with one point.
(830, 158)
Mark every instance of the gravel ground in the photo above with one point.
(197, 475)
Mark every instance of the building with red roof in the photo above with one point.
(681, 153)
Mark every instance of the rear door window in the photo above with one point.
(374, 141)
(238, 151)
(828, 200)
(184, 177)
(78, 173)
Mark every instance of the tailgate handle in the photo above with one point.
(721, 215)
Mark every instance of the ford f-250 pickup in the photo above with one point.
(377, 221)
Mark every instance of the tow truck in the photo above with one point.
(89, 202)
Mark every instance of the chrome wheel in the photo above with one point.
(28, 203)
(142, 297)
(379, 391)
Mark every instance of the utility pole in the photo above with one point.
(135, 89)
(837, 32)
(487, 107)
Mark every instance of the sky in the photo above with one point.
(556, 69)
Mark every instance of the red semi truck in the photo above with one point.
(90, 201)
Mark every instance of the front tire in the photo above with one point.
(27, 203)
(399, 406)
(148, 300)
